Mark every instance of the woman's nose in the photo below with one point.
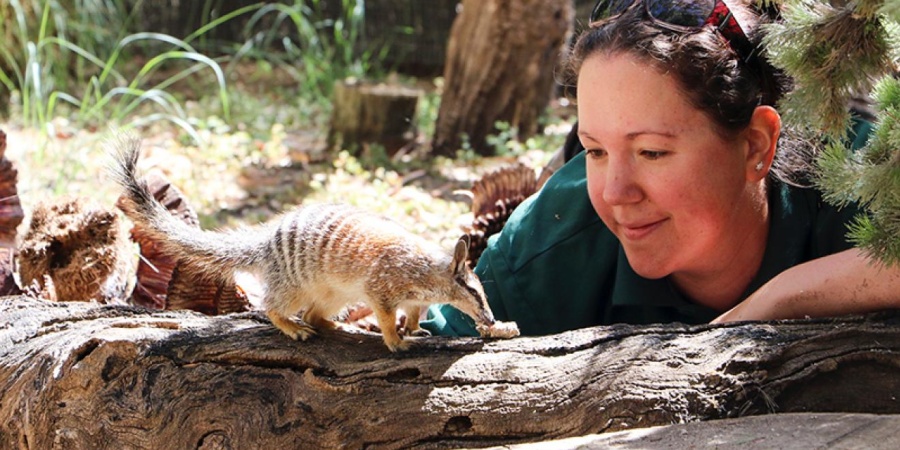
(621, 186)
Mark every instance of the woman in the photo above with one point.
(674, 211)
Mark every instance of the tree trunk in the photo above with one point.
(501, 59)
(75, 376)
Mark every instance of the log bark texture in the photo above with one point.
(501, 60)
(76, 375)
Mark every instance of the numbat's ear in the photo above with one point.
(460, 255)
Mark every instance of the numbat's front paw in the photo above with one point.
(397, 346)
(419, 332)
(503, 330)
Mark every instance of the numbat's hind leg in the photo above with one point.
(315, 318)
(290, 327)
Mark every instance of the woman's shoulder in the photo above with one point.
(558, 212)
(802, 218)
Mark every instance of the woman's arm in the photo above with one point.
(843, 283)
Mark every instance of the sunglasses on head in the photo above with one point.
(681, 16)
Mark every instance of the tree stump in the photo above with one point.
(81, 376)
(500, 66)
(163, 282)
(365, 114)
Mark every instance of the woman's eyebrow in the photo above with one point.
(633, 135)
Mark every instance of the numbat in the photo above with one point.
(316, 259)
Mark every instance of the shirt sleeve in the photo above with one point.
(445, 320)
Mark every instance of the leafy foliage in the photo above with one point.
(836, 51)
(78, 56)
(833, 54)
(39, 65)
(316, 50)
(871, 177)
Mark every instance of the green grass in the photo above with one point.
(58, 62)
(49, 68)
(316, 51)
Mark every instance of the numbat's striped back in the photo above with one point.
(346, 242)
(316, 259)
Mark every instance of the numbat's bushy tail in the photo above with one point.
(316, 259)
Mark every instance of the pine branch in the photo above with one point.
(871, 178)
(833, 54)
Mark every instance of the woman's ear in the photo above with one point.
(762, 140)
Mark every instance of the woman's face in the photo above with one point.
(674, 192)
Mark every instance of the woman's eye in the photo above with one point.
(595, 153)
(653, 154)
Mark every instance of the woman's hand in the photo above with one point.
(843, 283)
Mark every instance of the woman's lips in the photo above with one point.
(638, 231)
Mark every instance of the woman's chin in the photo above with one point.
(649, 268)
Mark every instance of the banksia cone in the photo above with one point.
(77, 249)
(155, 268)
(205, 296)
(165, 283)
(494, 197)
(11, 216)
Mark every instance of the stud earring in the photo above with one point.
(759, 166)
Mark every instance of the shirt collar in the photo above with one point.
(633, 289)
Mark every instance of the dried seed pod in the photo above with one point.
(43, 289)
(8, 284)
(11, 216)
(11, 213)
(154, 267)
(81, 247)
(186, 291)
(163, 282)
(494, 197)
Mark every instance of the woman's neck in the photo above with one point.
(726, 276)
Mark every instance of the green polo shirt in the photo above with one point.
(556, 267)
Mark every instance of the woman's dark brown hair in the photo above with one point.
(725, 85)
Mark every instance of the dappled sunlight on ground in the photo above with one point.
(233, 177)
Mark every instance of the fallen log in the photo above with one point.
(77, 375)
